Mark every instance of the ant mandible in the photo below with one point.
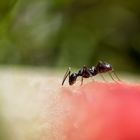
(85, 72)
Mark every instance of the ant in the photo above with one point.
(85, 72)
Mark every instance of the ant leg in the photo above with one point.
(82, 80)
(110, 73)
(92, 78)
(112, 76)
(116, 75)
(66, 75)
(103, 77)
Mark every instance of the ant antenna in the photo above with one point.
(66, 75)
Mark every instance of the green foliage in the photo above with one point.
(5, 7)
(71, 32)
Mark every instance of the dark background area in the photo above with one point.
(61, 33)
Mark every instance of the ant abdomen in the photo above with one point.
(103, 67)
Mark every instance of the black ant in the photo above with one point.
(85, 72)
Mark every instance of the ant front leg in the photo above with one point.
(66, 75)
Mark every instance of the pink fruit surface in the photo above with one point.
(103, 111)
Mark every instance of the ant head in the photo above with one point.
(72, 78)
(103, 67)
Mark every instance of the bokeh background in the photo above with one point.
(61, 33)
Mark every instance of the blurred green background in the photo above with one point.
(62, 33)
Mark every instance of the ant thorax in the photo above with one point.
(85, 72)
(93, 71)
(80, 72)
